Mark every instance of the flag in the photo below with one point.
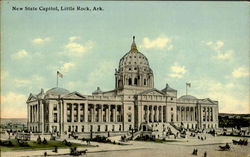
(59, 74)
(188, 85)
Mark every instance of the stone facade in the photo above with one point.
(134, 104)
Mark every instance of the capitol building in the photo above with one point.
(134, 104)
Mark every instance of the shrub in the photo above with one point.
(45, 141)
(23, 144)
(66, 143)
(52, 138)
(39, 141)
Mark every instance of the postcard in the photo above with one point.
(125, 78)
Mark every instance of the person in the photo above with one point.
(205, 154)
(45, 154)
(194, 151)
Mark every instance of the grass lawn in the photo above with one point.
(33, 145)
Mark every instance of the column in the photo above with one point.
(86, 112)
(33, 114)
(162, 113)
(147, 114)
(78, 111)
(154, 112)
(212, 114)
(72, 112)
(42, 118)
(94, 112)
(107, 113)
(115, 119)
(101, 113)
(157, 114)
(108, 119)
(205, 114)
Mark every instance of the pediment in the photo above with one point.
(207, 100)
(31, 98)
(74, 95)
(152, 92)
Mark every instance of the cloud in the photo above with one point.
(158, 43)
(177, 71)
(76, 48)
(217, 46)
(226, 55)
(13, 105)
(240, 72)
(21, 82)
(20, 54)
(67, 66)
(99, 73)
(40, 40)
(73, 38)
(226, 93)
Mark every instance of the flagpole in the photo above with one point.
(186, 89)
(57, 79)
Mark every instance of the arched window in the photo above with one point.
(135, 81)
(129, 81)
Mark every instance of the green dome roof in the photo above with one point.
(57, 91)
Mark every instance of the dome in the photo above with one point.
(97, 91)
(133, 58)
(57, 91)
(187, 97)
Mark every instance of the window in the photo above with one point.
(135, 68)
(129, 108)
(129, 117)
(55, 117)
(129, 69)
(81, 118)
(82, 128)
(172, 117)
(76, 128)
(145, 83)
(171, 98)
(69, 128)
(98, 128)
(68, 106)
(130, 56)
(75, 106)
(75, 118)
(106, 127)
(55, 107)
(54, 128)
(120, 127)
(129, 81)
(82, 107)
(135, 56)
(68, 118)
(135, 81)
(113, 127)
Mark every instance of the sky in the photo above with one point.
(204, 43)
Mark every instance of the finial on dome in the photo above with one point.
(167, 85)
(133, 46)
